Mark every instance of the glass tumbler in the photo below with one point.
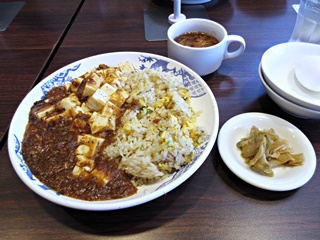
(307, 26)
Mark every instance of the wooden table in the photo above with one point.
(213, 203)
(26, 47)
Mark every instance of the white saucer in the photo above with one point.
(285, 178)
(278, 64)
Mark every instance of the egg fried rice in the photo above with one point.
(159, 135)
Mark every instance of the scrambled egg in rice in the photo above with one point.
(159, 134)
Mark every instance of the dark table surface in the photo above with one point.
(26, 47)
(213, 203)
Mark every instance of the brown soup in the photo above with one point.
(196, 39)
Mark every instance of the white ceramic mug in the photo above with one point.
(204, 60)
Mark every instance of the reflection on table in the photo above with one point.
(26, 47)
(213, 203)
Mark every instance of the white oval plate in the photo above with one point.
(201, 99)
(285, 178)
(278, 64)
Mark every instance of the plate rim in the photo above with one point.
(295, 109)
(308, 103)
(241, 174)
(115, 204)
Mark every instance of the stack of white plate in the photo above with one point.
(278, 74)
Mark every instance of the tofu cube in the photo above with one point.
(109, 75)
(87, 164)
(90, 87)
(108, 89)
(99, 123)
(97, 100)
(75, 111)
(119, 97)
(101, 177)
(111, 109)
(69, 102)
(56, 118)
(67, 86)
(97, 77)
(76, 172)
(85, 108)
(76, 82)
(43, 111)
(126, 67)
(88, 145)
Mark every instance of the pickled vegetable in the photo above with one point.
(264, 150)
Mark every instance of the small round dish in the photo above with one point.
(287, 106)
(278, 64)
(285, 178)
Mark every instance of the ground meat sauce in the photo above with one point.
(49, 152)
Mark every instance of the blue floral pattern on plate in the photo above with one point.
(190, 82)
(59, 80)
(24, 167)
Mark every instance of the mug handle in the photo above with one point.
(239, 51)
